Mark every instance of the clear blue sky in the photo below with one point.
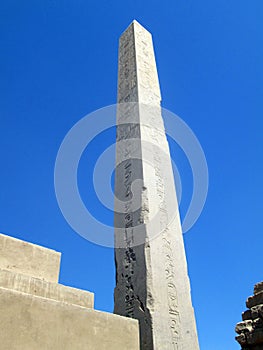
(59, 62)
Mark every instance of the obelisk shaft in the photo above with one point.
(152, 281)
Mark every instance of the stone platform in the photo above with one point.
(39, 313)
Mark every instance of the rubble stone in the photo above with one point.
(250, 331)
(258, 288)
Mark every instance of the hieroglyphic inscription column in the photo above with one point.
(152, 282)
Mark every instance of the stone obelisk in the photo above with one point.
(152, 283)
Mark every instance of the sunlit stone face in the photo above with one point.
(152, 282)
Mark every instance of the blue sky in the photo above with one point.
(59, 63)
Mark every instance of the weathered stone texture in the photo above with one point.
(255, 300)
(29, 322)
(29, 259)
(151, 269)
(36, 286)
(37, 314)
(251, 329)
(258, 288)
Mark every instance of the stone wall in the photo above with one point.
(250, 330)
(38, 313)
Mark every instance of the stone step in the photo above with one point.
(29, 259)
(35, 286)
(31, 322)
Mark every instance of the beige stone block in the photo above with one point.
(29, 259)
(42, 288)
(29, 322)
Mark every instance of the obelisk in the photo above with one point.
(152, 283)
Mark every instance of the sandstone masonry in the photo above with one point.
(38, 313)
(250, 330)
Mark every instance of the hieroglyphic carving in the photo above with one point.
(130, 257)
(127, 72)
(127, 186)
(152, 277)
(167, 251)
(149, 83)
(171, 291)
(129, 261)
